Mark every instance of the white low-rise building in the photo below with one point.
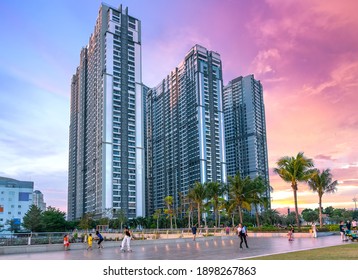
(15, 201)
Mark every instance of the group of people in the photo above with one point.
(99, 238)
(346, 228)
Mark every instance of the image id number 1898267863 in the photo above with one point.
(231, 270)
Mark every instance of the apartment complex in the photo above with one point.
(106, 143)
(15, 200)
(185, 129)
(131, 145)
(245, 129)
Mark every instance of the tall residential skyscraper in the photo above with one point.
(106, 155)
(245, 129)
(185, 129)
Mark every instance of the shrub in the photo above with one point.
(332, 227)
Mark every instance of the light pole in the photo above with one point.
(355, 203)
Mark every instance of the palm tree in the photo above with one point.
(239, 192)
(214, 191)
(271, 216)
(321, 182)
(156, 216)
(294, 170)
(169, 211)
(257, 195)
(197, 194)
(187, 207)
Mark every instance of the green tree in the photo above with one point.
(214, 191)
(309, 215)
(53, 220)
(271, 217)
(121, 218)
(328, 211)
(290, 218)
(294, 170)
(169, 210)
(197, 194)
(321, 183)
(86, 221)
(32, 219)
(156, 216)
(239, 192)
(13, 224)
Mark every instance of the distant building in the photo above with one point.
(38, 200)
(245, 129)
(15, 200)
(185, 129)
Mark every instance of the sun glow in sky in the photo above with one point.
(304, 52)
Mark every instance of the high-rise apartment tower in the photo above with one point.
(185, 129)
(106, 155)
(245, 129)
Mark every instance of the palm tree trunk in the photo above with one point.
(189, 215)
(240, 214)
(296, 207)
(218, 218)
(257, 216)
(198, 215)
(320, 211)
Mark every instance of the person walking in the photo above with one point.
(193, 230)
(100, 239)
(89, 241)
(242, 233)
(314, 230)
(126, 240)
(227, 230)
(291, 230)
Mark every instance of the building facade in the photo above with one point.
(106, 143)
(245, 129)
(185, 129)
(38, 200)
(15, 200)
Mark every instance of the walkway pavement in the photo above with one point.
(226, 248)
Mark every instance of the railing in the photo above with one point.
(14, 239)
(41, 238)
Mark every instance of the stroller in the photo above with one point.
(351, 236)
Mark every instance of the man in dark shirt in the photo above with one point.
(193, 230)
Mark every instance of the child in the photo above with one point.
(66, 242)
(89, 241)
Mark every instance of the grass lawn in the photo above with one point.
(341, 252)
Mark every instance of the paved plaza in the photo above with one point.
(226, 248)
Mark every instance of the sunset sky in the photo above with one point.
(304, 52)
